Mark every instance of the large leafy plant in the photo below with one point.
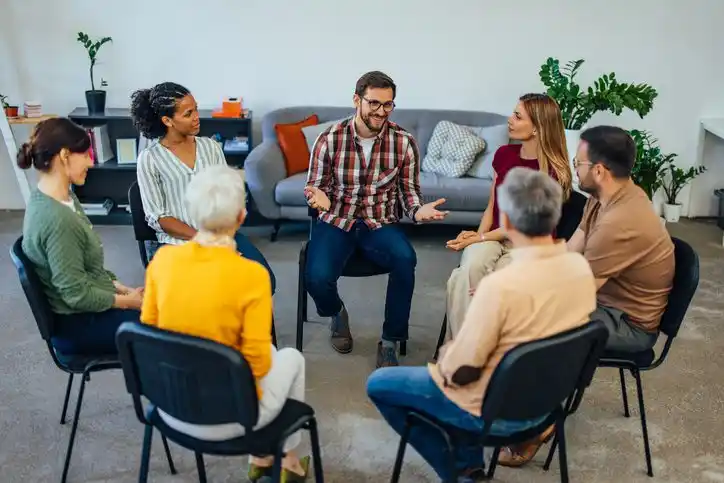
(4, 101)
(578, 104)
(648, 170)
(678, 178)
(92, 47)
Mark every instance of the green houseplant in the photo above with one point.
(95, 98)
(10, 111)
(579, 104)
(648, 169)
(675, 181)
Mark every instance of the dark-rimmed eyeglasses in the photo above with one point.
(375, 105)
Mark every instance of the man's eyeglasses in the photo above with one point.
(577, 163)
(375, 105)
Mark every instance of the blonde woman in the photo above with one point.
(205, 288)
(537, 125)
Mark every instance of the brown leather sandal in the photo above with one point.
(518, 455)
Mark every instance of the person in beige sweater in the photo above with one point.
(545, 290)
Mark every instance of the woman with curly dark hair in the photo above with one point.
(167, 114)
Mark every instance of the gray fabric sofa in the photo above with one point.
(278, 197)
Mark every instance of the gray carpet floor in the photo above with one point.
(685, 397)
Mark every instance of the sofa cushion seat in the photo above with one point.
(461, 194)
(290, 191)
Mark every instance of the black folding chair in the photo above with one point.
(357, 266)
(546, 377)
(571, 214)
(70, 364)
(686, 281)
(200, 381)
(141, 230)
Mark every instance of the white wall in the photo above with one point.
(10, 197)
(467, 54)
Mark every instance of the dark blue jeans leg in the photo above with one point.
(328, 250)
(91, 332)
(389, 247)
(394, 390)
(248, 250)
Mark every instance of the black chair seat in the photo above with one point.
(616, 359)
(263, 441)
(78, 363)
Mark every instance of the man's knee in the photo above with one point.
(404, 258)
(292, 357)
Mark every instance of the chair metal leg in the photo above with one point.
(277, 465)
(274, 332)
(642, 411)
(171, 466)
(316, 452)
(275, 232)
(145, 454)
(624, 394)
(200, 467)
(73, 429)
(562, 456)
(301, 300)
(403, 348)
(441, 337)
(493, 462)
(67, 397)
(551, 452)
(401, 452)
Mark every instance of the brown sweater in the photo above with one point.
(545, 290)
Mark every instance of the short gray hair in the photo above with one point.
(532, 200)
(215, 197)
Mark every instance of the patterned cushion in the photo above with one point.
(451, 150)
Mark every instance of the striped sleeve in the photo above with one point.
(410, 179)
(211, 150)
(320, 164)
(153, 197)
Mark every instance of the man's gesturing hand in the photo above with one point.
(316, 198)
(429, 211)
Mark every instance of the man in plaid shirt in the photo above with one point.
(361, 171)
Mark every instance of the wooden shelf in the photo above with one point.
(29, 120)
(112, 164)
(118, 113)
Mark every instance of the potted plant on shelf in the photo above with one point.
(10, 111)
(95, 98)
(578, 105)
(648, 169)
(675, 181)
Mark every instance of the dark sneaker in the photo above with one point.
(340, 335)
(386, 356)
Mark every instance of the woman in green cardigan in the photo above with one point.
(58, 238)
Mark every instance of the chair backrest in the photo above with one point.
(34, 290)
(571, 215)
(686, 281)
(142, 231)
(534, 378)
(196, 380)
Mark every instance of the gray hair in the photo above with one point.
(532, 200)
(215, 197)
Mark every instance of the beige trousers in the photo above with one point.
(477, 261)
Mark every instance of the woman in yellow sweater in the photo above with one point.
(204, 288)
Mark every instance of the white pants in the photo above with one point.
(285, 380)
(477, 261)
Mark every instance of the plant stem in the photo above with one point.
(93, 86)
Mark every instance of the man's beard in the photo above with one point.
(368, 122)
(588, 186)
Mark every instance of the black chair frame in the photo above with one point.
(496, 403)
(242, 391)
(357, 266)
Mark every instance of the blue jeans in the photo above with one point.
(395, 390)
(243, 246)
(330, 248)
(90, 332)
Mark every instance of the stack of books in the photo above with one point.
(32, 109)
(97, 209)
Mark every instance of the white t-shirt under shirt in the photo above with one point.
(367, 147)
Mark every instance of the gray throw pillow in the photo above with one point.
(451, 150)
(494, 137)
(311, 133)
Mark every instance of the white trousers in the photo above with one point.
(285, 380)
(477, 261)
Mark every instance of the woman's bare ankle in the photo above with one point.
(291, 463)
(262, 461)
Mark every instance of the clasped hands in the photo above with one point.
(464, 239)
(318, 200)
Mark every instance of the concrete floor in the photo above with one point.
(685, 397)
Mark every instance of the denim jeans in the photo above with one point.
(395, 390)
(330, 248)
(90, 332)
(243, 246)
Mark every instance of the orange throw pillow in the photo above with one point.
(294, 145)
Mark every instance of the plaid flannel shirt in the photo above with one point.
(366, 189)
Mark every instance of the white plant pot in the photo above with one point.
(572, 138)
(672, 213)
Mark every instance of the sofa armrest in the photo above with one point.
(263, 169)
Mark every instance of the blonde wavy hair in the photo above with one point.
(545, 114)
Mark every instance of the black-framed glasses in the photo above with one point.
(375, 105)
